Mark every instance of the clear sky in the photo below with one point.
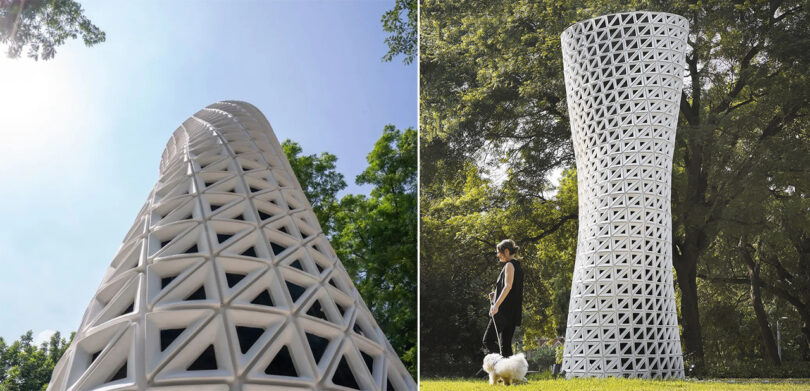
(82, 134)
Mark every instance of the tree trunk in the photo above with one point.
(770, 350)
(805, 315)
(686, 267)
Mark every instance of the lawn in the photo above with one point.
(612, 384)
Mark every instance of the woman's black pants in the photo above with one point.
(506, 329)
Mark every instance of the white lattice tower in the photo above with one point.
(226, 281)
(623, 78)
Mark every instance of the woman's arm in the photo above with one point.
(510, 276)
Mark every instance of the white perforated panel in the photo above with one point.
(623, 77)
(226, 281)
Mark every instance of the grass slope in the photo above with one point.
(613, 384)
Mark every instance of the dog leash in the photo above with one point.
(497, 334)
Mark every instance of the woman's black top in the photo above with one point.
(511, 308)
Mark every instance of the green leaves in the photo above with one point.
(462, 220)
(374, 236)
(26, 367)
(42, 25)
(319, 179)
(400, 21)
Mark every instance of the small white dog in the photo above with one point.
(509, 369)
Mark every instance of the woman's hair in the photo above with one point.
(508, 244)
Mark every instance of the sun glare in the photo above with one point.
(37, 114)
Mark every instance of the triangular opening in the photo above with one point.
(165, 281)
(121, 373)
(240, 217)
(315, 310)
(250, 252)
(199, 294)
(282, 364)
(233, 278)
(206, 361)
(254, 190)
(128, 309)
(264, 216)
(295, 290)
(168, 336)
(344, 375)
(341, 309)
(94, 356)
(192, 249)
(221, 238)
(284, 229)
(215, 207)
(389, 386)
(297, 265)
(358, 330)
(320, 268)
(263, 299)
(277, 248)
(248, 336)
(317, 345)
(368, 360)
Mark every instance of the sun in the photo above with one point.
(37, 111)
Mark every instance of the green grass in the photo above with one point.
(612, 384)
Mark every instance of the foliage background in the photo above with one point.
(374, 235)
(495, 136)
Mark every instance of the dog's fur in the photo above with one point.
(509, 369)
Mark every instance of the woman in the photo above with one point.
(506, 301)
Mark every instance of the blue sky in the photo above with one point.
(83, 133)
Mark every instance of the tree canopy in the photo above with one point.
(320, 180)
(39, 26)
(495, 128)
(27, 367)
(400, 22)
(374, 235)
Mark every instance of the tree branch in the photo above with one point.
(742, 79)
(483, 241)
(549, 231)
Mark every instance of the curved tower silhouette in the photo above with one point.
(226, 281)
(623, 78)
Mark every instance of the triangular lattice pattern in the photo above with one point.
(623, 77)
(226, 281)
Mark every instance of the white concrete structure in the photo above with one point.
(226, 282)
(623, 78)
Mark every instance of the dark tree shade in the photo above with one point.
(491, 85)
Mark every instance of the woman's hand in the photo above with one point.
(493, 310)
(491, 296)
